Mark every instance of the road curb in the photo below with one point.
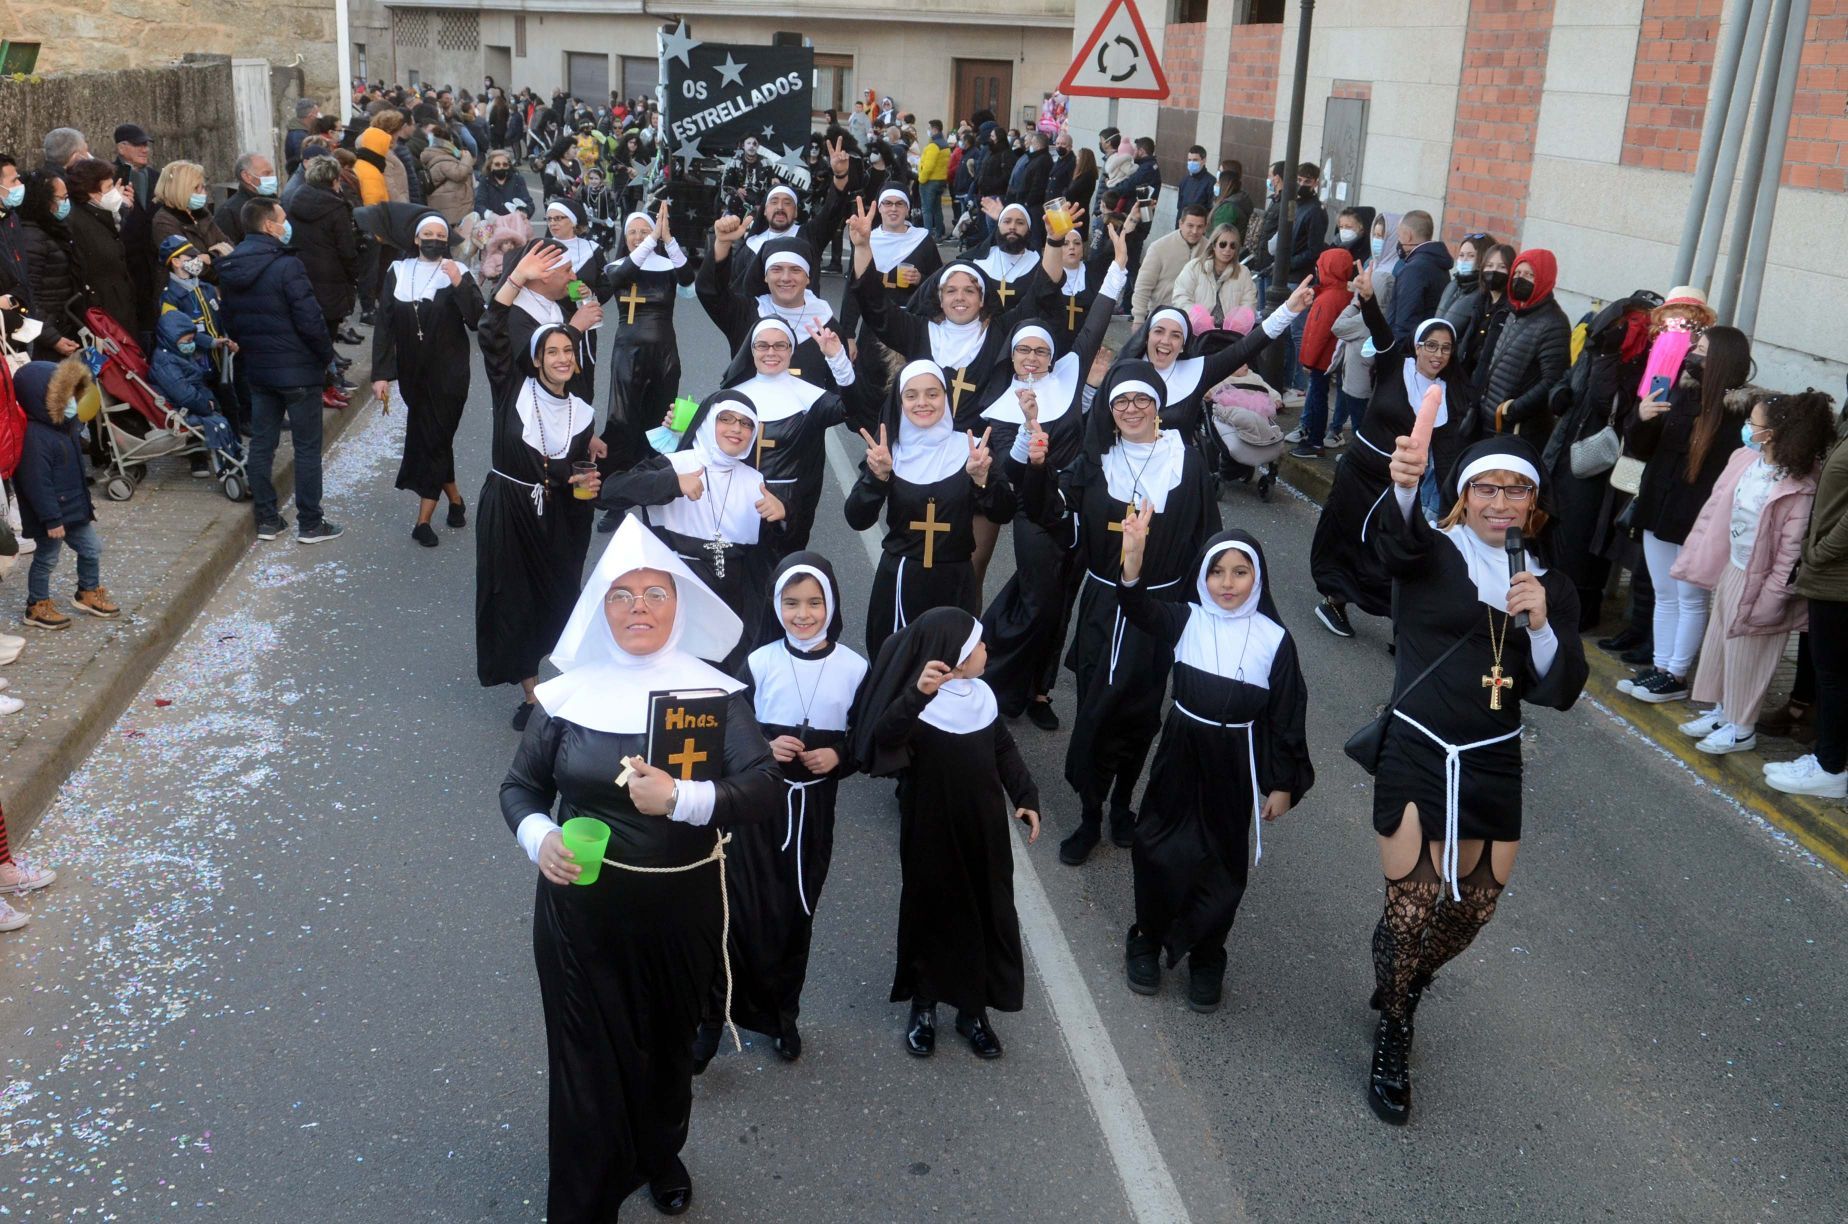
(1821, 825)
(105, 688)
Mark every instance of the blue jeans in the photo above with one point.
(88, 546)
(933, 208)
(1349, 409)
(1299, 377)
(268, 406)
(1315, 408)
(1427, 492)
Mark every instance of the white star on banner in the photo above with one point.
(792, 157)
(688, 150)
(730, 71)
(676, 44)
(769, 132)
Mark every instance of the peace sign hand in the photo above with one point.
(1136, 530)
(838, 160)
(979, 458)
(878, 455)
(860, 225)
(1363, 284)
(824, 337)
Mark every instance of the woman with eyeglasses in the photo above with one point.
(1216, 279)
(1342, 558)
(1127, 461)
(1473, 645)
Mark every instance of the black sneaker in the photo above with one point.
(1334, 619)
(1660, 689)
(424, 534)
(272, 529)
(1628, 639)
(320, 533)
(1042, 715)
(1642, 674)
(1205, 984)
(1142, 962)
(458, 514)
(1305, 450)
(1122, 828)
(1074, 850)
(1640, 656)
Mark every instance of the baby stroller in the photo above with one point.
(136, 421)
(1241, 426)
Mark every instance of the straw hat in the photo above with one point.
(1685, 295)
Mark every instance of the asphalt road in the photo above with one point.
(285, 974)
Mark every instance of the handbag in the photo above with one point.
(1627, 475)
(1597, 454)
(1366, 744)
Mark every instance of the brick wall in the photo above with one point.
(1491, 154)
(1817, 154)
(1668, 90)
(1181, 49)
(1250, 105)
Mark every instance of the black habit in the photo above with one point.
(422, 344)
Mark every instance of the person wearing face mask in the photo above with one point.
(1465, 276)
(182, 371)
(1532, 354)
(449, 173)
(96, 204)
(38, 245)
(1480, 316)
(182, 211)
(189, 295)
(256, 179)
(54, 504)
(1351, 228)
(502, 187)
(1196, 186)
(324, 237)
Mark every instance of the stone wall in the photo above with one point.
(83, 35)
(187, 108)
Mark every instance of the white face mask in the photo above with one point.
(1348, 235)
(111, 199)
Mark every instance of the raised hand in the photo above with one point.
(839, 163)
(824, 337)
(728, 228)
(537, 264)
(770, 507)
(587, 315)
(1408, 462)
(1136, 537)
(932, 678)
(1363, 284)
(693, 484)
(453, 271)
(1304, 295)
(1100, 366)
(1119, 245)
(1029, 406)
(878, 454)
(991, 207)
(860, 225)
(1037, 446)
(661, 234)
(979, 457)
(1525, 594)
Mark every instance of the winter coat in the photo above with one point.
(992, 176)
(1198, 189)
(1352, 359)
(104, 263)
(1333, 270)
(413, 173)
(197, 228)
(1222, 293)
(1032, 193)
(51, 266)
(1530, 358)
(49, 482)
(270, 307)
(1146, 174)
(933, 163)
(1163, 260)
(1418, 286)
(229, 216)
(492, 197)
(1825, 554)
(328, 245)
(1767, 604)
(375, 169)
(181, 377)
(199, 303)
(1667, 502)
(452, 181)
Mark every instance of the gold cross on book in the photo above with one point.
(687, 758)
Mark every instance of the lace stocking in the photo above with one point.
(1399, 938)
(1455, 924)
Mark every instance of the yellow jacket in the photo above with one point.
(372, 188)
(933, 163)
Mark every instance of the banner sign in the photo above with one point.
(720, 93)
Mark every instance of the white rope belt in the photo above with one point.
(718, 856)
(1372, 510)
(1362, 439)
(538, 490)
(1118, 624)
(795, 810)
(1251, 757)
(1453, 785)
(898, 597)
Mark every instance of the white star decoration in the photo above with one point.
(676, 44)
(730, 71)
(769, 132)
(688, 150)
(792, 157)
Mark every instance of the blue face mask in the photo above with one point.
(70, 410)
(189, 347)
(1746, 433)
(266, 185)
(61, 209)
(15, 195)
(196, 201)
(288, 233)
(1193, 167)
(1378, 245)
(1466, 267)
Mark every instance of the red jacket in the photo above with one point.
(1334, 268)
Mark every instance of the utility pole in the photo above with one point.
(1274, 359)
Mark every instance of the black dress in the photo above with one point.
(527, 315)
(792, 454)
(422, 343)
(1437, 603)
(958, 933)
(528, 565)
(924, 560)
(1191, 854)
(625, 964)
(644, 365)
(1078, 296)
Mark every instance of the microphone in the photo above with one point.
(1517, 561)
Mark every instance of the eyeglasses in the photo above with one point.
(654, 597)
(1436, 350)
(1032, 350)
(770, 346)
(1483, 491)
(1137, 401)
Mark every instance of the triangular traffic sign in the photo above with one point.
(1118, 60)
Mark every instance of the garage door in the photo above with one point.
(588, 77)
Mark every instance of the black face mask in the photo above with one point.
(1694, 365)
(500, 176)
(1495, 282)
(1520, 290)
(1305, 192)
(433, 248)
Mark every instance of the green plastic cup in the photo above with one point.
(586, 838)
(684, 408)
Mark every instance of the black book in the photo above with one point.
(686, 733)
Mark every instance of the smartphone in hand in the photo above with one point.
(1658, 387)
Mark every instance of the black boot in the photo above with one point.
(980, 1035)
(1206, 975)
(788, 1044)
(1074, 850)
(1413, 993)
(1122, 827)
(672, 1189)
(921, 1032)
(705, 1044)
(1142, 962)
(1389, 1084)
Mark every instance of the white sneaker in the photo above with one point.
(27, 877)
(27, 546)
(1333, 441)
(1727, 739)
(10, 705)
(1805, 776)
(1294, 436)
(1293, 399)
(1703, 725)
(10, 918)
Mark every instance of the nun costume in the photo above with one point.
(626, 962)
(645, 360)
(1186, 380)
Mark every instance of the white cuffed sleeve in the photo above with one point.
(1115, 280)
(1407, 499)
(1544, 644)
(696, 803)
(1279, 320)
(841, 367)
(532, 833)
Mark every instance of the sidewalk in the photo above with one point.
(1820, 824)
(165, 551)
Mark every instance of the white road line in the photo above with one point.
(1147, 1183)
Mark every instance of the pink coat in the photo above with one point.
(1767, 606)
